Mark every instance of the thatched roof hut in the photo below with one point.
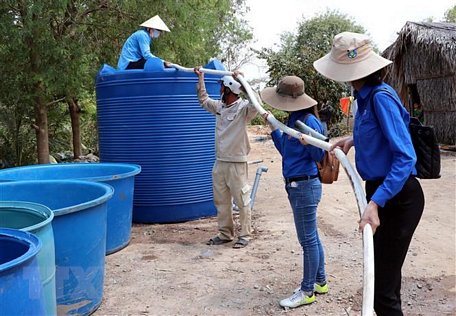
(424, 72)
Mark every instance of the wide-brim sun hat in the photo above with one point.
(351, 58)
(288, 95)
(156, 23)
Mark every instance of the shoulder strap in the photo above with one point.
(375, 91)
(318, 163)
(306, 116)
(371, 98)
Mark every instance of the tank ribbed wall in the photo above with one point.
(154, 119)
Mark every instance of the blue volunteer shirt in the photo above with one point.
(384, 149)
(297, 159)
(137, 46)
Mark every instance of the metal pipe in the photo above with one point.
(368, 278)
(254, 162)
(259, 171)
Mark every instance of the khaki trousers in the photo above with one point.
(230, 182)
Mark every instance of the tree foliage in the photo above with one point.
(50, 52)
(297, 52)
(450, 15)
(45, 45)
(235, 37)
(200, 29)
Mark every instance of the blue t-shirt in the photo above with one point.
(298, 159)
(384, 148)
(137, 46)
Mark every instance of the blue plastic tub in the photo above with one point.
(120, 176)
(153, 118)
(20, 283)
(80, 209)
(37, 219)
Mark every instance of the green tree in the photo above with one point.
(235, 37)
(50, 52)
(44, 46)
(450, 15)
(200, 29)
(297, 52)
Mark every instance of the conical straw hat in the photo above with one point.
(156, 23)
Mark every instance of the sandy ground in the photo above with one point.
(168, 269)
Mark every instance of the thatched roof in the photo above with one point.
(424, 55)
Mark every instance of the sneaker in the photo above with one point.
(318, 288)
(321, 289)
(297, 299)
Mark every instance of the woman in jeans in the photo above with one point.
(385, 159)
(302, 184)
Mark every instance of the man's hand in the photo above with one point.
(167, 64)
(264, 116)
(345, 144)
(236, 73)
(197, 70)
(370, 216)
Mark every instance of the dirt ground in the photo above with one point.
(168, 269)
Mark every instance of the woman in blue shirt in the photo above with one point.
(136, 50)
(302, 184)
(385, 159)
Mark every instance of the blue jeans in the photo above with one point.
(304, 197)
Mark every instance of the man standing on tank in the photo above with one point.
(136, 49)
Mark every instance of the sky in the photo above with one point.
(382, 19)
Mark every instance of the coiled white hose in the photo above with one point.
(368, 244)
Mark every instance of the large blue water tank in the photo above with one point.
(152, 118)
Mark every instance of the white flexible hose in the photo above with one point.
(368, 242)
(368, 245)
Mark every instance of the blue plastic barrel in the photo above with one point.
(80, 210)
(120, 176)
(20, 283)
(153, 118)
(37, 219)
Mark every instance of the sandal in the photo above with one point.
(240, 243)
(217, 241)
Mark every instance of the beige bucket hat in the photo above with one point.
(351, 58)
(289, 95)
(156, 23)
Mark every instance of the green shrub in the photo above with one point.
(279, 115)
(339, 129)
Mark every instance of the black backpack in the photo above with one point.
(426, 148)
(425, 144)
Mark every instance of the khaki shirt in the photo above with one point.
(231, 138)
